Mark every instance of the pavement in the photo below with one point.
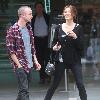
(8, 87)
(38, 92)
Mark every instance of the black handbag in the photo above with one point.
(50, 69)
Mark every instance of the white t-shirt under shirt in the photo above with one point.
(27, 45)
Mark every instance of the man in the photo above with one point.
(40, 26)
(20, 46)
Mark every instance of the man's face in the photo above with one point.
(27, 15)
(39, 8)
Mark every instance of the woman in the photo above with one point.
(68, 42)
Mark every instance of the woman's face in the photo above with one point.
(68, 14)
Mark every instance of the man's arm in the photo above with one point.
(37, 65)
(10, 43)
(35, 61)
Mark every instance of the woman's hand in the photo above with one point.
(57, 47)
(72, 34)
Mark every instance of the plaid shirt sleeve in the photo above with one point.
(10, 41)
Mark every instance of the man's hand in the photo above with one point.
(37, 65)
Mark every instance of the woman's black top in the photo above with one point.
(71, 49)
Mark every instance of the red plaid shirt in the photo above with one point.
(15, 45)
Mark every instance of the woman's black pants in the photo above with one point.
(59, 71)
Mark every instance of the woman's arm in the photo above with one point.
(55, 45)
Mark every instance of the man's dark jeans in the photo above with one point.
(23, 84)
